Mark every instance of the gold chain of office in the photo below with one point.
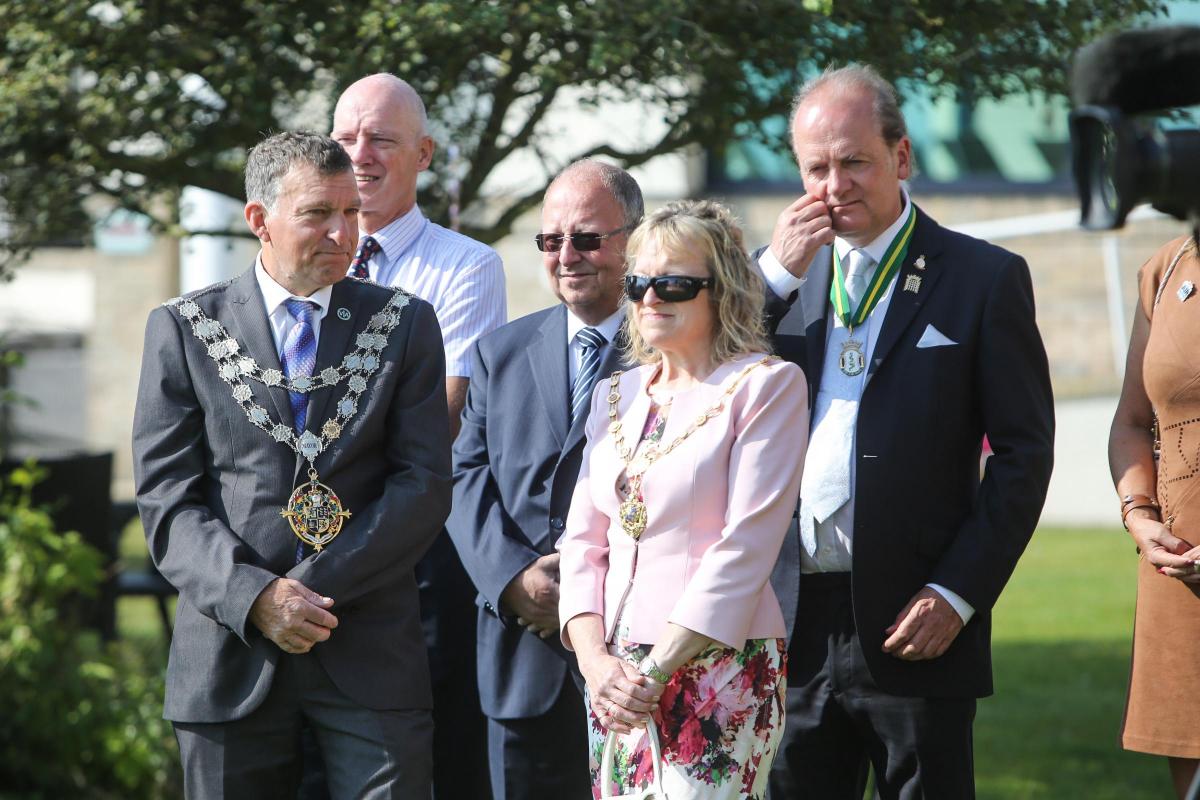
(633, 512)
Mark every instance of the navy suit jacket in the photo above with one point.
(515, 464)
(921, 513)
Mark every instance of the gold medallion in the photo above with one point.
(633, 512)
(315, 513)
(633, 517)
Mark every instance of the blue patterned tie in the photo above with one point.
(367, 247)
(300, 355)
(590, 340)
(299, 358)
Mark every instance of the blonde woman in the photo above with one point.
(688, 482)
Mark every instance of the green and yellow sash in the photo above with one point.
(884, 272)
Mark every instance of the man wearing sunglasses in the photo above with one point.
(381, 123)
(515, 465)
(917, 342)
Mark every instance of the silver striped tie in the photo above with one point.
(591, 341)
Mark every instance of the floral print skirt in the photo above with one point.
(720, 721)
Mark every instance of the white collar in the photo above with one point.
(880, 244)
(395, 237)
(275, 295)
(608, 328)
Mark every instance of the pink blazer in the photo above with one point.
(719, 508)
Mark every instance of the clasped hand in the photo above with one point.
(532, 596)
(1172, 556)
(621, 696)
(292, 616)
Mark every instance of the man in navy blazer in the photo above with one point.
(917, 342)
(515, 464)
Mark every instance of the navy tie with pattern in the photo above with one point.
(591, 341)
(367, 247)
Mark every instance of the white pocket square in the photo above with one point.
(932, 337)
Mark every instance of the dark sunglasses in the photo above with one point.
(584, 241)
(669, 288)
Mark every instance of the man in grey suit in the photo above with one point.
(284, 401)
(515, 464)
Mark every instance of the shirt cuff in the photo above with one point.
(780, 281)
(964, 609)
(458, 367)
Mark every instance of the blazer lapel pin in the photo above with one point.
(920, 262)
(912, 283)
(343, 314)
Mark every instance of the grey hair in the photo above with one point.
(619, 183)
(272, 158)
(860, 77)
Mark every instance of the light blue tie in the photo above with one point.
(825, 486)
(299, 359)
(590, 341)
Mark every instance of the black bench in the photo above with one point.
(145, 582)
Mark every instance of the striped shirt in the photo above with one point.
(461, 278)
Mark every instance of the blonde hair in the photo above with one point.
(736, 295)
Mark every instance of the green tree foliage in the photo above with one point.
(79, 719)
(129, 100)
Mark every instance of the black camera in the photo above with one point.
(1121, 155)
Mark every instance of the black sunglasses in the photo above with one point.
(584, 241)
(669, 288)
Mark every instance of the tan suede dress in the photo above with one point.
(1162, 715)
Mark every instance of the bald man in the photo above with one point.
(381, 122)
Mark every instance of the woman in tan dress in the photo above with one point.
(1160, 506)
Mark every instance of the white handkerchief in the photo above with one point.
(932, 337)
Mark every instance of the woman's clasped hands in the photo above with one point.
(621, 697)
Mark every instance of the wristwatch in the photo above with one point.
(653, 671)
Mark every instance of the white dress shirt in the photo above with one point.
(835, 536)
(274, 297)
(608, 329)
(461, 278)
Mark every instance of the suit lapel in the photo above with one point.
(814, 302)
(548, 365)
(611, 362)
(905, 304)
(249, 313)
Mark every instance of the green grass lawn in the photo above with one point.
(1061, 643)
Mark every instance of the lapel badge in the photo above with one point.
(920, 262)
(343, 314)
(912, 283)
(1185, 291)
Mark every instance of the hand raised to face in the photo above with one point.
(801, 229)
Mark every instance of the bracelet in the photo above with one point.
(1132, 502)
(653, 671)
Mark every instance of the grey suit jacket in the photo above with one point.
(515, 464)
(210, 487)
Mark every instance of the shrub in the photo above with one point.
(78, 718)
